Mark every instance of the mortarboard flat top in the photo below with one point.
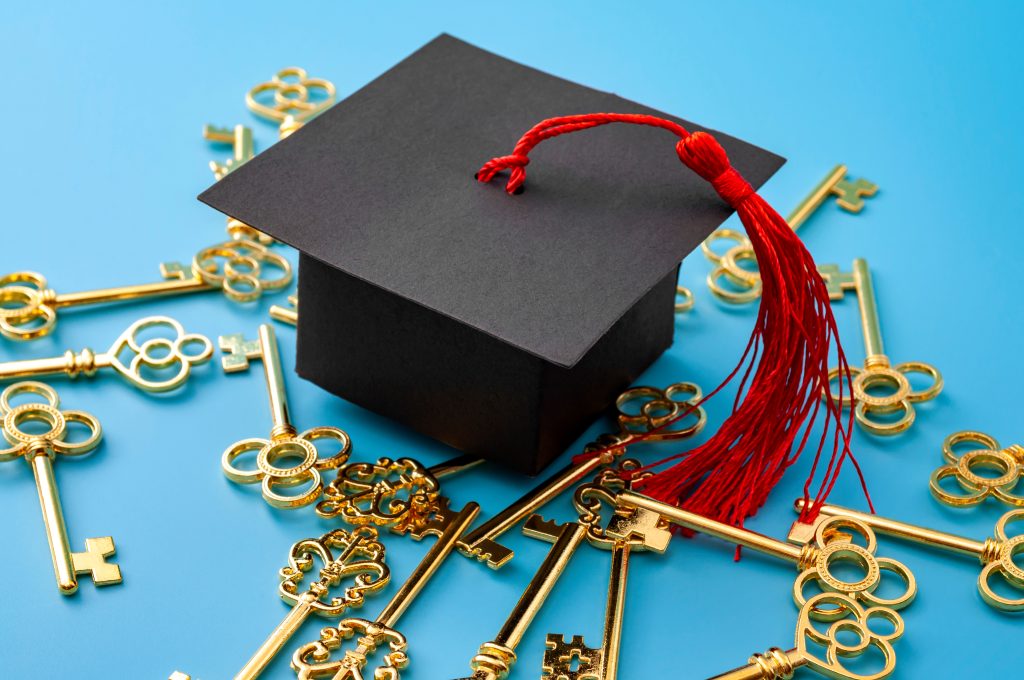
(381, 186)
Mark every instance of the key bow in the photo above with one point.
(342, 554)
(136, 358)
(296, 96)
(999, 557)
(388, 492)
(833, 545)
(26, 306)
(313, 660)
(52, 441)
(854, 621)
(650, 410)
(237, 267)
(1008, 463)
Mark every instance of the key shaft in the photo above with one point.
(53, 520)
(276, 641)
(813, 200)
(739, 536)
(176, 286)
(288, 315)
(906, 531)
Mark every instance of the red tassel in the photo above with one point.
(785, 365)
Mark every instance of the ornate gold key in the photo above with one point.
(849, 196)
(996, 554)
(287, 314)
(40, 450)
(344, 554)
(849, 636)
(655, 409)
(313, 660)
(28, 308)
(574, 660)
(1007, 463)
(243, 150)
(877, 371)
(157, 364)
(400, 494)
(294, 101)
(831, 545)
(284, 442)
(495, 659)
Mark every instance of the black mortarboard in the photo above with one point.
(499, 325)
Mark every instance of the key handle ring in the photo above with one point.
(856, 623)
(833, 545)
(1007, 464)
(355, 555)
(312, 660)
(390, 492)
(46, 411)
(640, 410)
(291, 88)
(26, 306)
(237, 268)
(175, 352)
(877, 372)
(998, 557)
(270, 475)
(744, 284)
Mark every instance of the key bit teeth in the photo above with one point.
(494, 554)
(94, 561)
(544, 529)
(643, 529)
(560, 655)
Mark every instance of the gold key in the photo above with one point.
(356, 555)
(243, 150)
(40, 450)
(287, 314)
(877, 371)
(28, 307)
(495, 659)
(313, 660)
(849, 196)
(1007, 463)
(996, 554)
(824, 650)
(399, 494)
(831, 545)
(684, 299)
(295, 99)
(284, 442)
(156, 364)
(640, 411)
(574, 660)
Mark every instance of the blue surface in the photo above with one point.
(102, 162)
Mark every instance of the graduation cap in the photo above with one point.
(499, 325)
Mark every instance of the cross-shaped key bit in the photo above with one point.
(643, 526)
(93, 561)
(238, 351)
(850, 195)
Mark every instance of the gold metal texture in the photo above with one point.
(1007, 464)
(40, 444)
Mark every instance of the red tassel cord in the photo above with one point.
(784, 369)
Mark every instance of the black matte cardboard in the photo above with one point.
(499, 325)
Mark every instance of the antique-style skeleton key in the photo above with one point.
(849, 620)
(40, 450)
(399, 494)
(495, 659)
(243, 150)
(157, 364)
(28, 307)
(574, 660)
(657, 408)
(292, 104)
(284, 442)
(997, 554)
(832, 544)
(877, 371)
(849, 196)
(1008, 464)
(313, 660)
(354, 554)
(287, 314)
(684, 299)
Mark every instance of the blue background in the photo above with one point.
(103, 158)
